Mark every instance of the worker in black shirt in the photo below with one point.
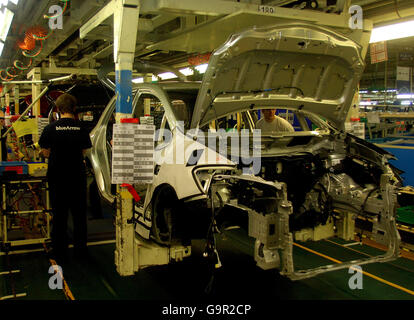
(64, 142)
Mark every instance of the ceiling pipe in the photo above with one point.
(103, 75)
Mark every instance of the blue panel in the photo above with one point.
(124, 91)
(404, 163)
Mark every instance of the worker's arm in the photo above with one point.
(45, 152)
(44, 142)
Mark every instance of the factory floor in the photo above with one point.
(239, 279)
(96, 278)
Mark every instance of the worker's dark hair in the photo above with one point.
(66, 103)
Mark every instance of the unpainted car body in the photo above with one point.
(310, 183)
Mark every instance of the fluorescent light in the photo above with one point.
(1, 47)
(6, 18)
(405, 102)
(394, 31)
(368, 103)
(138, 80)
(4, 2)
(141, 79)
(187, 71)
(363, 91)
(405, 96)
(202, 68)
(167, 75)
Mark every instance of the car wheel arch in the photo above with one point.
(159, 223)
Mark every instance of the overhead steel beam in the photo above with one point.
(103, 53)
(97, 19)
(220, 7)
(212, 7)
(76, 71)
(162, 19)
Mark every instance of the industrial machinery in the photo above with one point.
(302, 185)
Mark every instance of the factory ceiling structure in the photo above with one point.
(310, 103)
(168, 33)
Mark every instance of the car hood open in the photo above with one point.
(299, 66)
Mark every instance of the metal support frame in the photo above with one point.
(220, 7)
(16, 97)
(12, 296)
(4, 212)
(35, 75)
(126, 15)
(223, 19)
(35, 101)
(27, 109)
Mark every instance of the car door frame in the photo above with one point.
(99, 155)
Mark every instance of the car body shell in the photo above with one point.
(310, 70)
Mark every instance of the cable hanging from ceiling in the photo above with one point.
(19, 65)
(11, 75)
(4, 78)
(58, 15)
(31, 46)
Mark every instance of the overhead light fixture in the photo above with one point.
(202, 68)
(187, 71)
(6, 17)
(138, 80)
(368, 103)
(167, 75)
(405, 96)
(393, 31)
(3, 3)
(141, 79)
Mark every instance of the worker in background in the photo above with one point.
(272, 123)
(64, 142)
